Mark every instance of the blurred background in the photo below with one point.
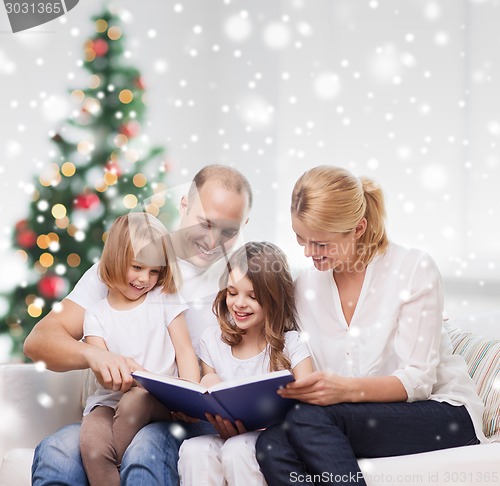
(403, 92)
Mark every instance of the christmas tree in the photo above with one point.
(102, 170)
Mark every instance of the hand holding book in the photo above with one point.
(253, 401)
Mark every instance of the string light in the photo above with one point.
(89, 53)
(110, 178)
(120, 140)
(34, 311)
(43, 242)
(94, 81)
(46, 260)
(126, 96)
(131, 155)
(139, 180)
(152, 209)
(101, 26)
(58, 211)
(114, 33)
(73, 260)
(23, 256)
(92, 105)
(101, 186)
(85, 147)
(130, 201)
(68, 169)
(78, 95)
(62, 223)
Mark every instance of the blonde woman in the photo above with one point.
(387, 383)
(141, 318)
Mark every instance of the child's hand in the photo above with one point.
(225, 427)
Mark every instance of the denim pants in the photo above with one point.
(151, 458)
(320, 444)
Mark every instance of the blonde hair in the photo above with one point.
(266, 267)
(332, 199)
(138, 236)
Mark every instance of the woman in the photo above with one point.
(387, 383)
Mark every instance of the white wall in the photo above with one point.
(405, 92)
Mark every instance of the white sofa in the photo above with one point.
(35, 402)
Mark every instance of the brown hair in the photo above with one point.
(138, 236)
(267, 268)
(332, 199)
(228, 178)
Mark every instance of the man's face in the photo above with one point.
(211, 220)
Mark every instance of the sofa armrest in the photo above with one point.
(35, 402)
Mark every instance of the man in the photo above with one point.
(212, 215)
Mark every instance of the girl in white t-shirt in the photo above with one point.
(142, 318)
(256, 312)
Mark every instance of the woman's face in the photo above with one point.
(328, 250)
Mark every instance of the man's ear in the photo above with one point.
(360, 228)
(184, 205)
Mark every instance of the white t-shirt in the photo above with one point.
(140, 333)
(397, 329)
(198, 292)
(219, 355)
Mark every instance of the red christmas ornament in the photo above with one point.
(87, 201)
(52, 286)
(21, 224)
(26, 237)
(139, 82)
(130, 129)
(100, 47)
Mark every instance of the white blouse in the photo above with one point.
(219, 355)
(397, 329)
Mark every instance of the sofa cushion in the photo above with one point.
(483, 362)
(15, 469)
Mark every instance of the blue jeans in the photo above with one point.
(325, 441)
(151, 458)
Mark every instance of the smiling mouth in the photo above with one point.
(136, 287)
(207, 252)
(242, 314)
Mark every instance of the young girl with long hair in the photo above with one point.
(256, 312)
(142, 318)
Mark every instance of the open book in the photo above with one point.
(253, 400)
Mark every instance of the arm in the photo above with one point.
(321, 388)
(96, 341)
(302, 369)
(185, 357)
(210, 377)
(225, 428)
(416, 347)
(56, 340)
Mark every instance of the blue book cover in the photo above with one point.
(253, 400)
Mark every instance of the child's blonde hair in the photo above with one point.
(332, 199)
(138, 236)
(267, 268)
